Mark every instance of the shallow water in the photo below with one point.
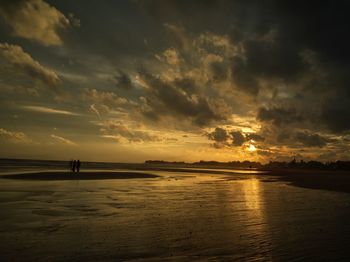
(178, 216)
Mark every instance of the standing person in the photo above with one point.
(78, 165)
(74, 165)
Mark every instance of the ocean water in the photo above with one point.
(179, 216)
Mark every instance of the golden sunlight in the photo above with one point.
(251, 148)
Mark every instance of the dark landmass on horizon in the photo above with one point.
(336, 165)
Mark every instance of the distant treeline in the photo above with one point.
(337, 165)
(202, 163)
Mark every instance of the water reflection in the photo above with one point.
(255, 217)
(177, 216)
(252, 194)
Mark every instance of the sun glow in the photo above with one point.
(251, 148)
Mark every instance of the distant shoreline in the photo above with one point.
(312, 179)
(339, 165)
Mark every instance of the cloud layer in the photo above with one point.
(13, 137)
(23, 62)
(35, 20)
(259, 80)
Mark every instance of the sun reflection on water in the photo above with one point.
(252, 194)
(255, 216)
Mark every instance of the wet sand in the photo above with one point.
(338, 181)
(175, 216)
(79, 176)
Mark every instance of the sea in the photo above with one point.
(184, 214)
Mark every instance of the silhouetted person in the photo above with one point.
(78, 165)
(74, 165)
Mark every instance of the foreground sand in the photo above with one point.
(79, 176)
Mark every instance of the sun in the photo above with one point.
(251, 148)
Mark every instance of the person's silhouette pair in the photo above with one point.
(75, 165)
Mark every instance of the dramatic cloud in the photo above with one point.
(261, 80)
(14, 137)
(123, 81)
(35, 20)
(255, 137)
(336, 114)
(226, 138)
(218, 135)
(311, 140)
(23, 62)
(237, 138)
(278, 116)
(280, 47)
(169, 98)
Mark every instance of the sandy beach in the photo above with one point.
(79, 176)
(315, 179)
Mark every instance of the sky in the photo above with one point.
(128, 81)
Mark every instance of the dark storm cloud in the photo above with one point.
(242, 77)
(249, 23)
(255, 137)
(317, 26)
(166, 98)
(282, 136)
(186, 84)
(225, 138)
(218, 135)
(275, 35)
(219, 71)
(117, 32)
(123, 81)
(237, 138)
(311, 140)
(279, 116)
(336, 113)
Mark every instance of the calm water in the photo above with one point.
(178, 216)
